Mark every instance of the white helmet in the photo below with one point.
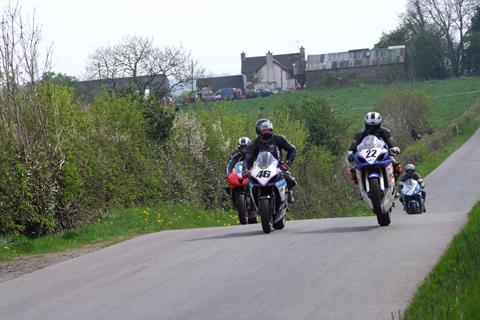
(373, 121)
(243, 141)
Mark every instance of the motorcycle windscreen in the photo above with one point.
(370, 142)
(265, 160)
(239, 168)
(410, 187)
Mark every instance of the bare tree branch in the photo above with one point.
(136, 57)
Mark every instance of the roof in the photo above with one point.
(254, 64)
(356, 58)
(215, 83)
(89, 88)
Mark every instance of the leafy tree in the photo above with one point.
(60, 79)
(427, 56)
(472, 51)
(398, 36)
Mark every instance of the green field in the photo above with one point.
(450, 98)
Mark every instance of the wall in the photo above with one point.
(273, 76)
(371, 74)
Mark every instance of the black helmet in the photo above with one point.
(373, 122)
(265, 126)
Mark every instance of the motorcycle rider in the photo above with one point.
(239, 154)
(410, 173)
(236, 156)
(373, 126)
(273, 143)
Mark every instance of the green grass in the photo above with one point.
(430, 159)
(452, 290)
(450, 99)
(118, 225)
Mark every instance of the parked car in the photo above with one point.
(206, 96)
(251, 93)
(264, 92)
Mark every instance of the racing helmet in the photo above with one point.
(264, 127)
(410, 168)
(243, 143)
(373, 122)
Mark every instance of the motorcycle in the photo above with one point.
(375, 175)
(238, 192)
(268, 188)
(412, 197)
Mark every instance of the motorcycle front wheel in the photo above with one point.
(376, 198)
(241, 207)
(264, 208)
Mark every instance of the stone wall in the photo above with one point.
(372, 74)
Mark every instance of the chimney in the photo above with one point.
(269, 58)
(269, 65)
(302, 52)
(243, 56)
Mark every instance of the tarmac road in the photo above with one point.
(345, 268)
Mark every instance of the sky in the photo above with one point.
(214, 31)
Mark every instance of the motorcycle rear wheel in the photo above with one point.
(264, 208)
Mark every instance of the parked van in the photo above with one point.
(228, 94)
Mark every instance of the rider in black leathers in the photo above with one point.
(410, 173)
(273, 143)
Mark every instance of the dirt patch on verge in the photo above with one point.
(27, 264)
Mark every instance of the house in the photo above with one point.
(216, 83)
(157, 85)
(282, 71)
(362, 65)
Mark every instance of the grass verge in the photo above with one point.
(429, 153)
(118, 225)
(452, 290)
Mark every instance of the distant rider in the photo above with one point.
(410, 173)
(273, 143)
(373, 126)
(239, 154)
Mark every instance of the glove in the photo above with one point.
(350, 156)
(245, 174)
(284, 166)
(395, 151)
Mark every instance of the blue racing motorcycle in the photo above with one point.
(375, 176)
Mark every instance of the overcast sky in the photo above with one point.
(214, 31)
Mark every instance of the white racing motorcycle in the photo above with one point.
(374, 173)
(268, 191)
(412, 197)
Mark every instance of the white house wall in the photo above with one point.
(274, 77)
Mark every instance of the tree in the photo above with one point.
(60, 79)
(472, 39)
(435, 34)
(452, 19)
(137, 58)
(398, 36)
(427, 55)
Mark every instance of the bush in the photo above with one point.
(406, 113)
